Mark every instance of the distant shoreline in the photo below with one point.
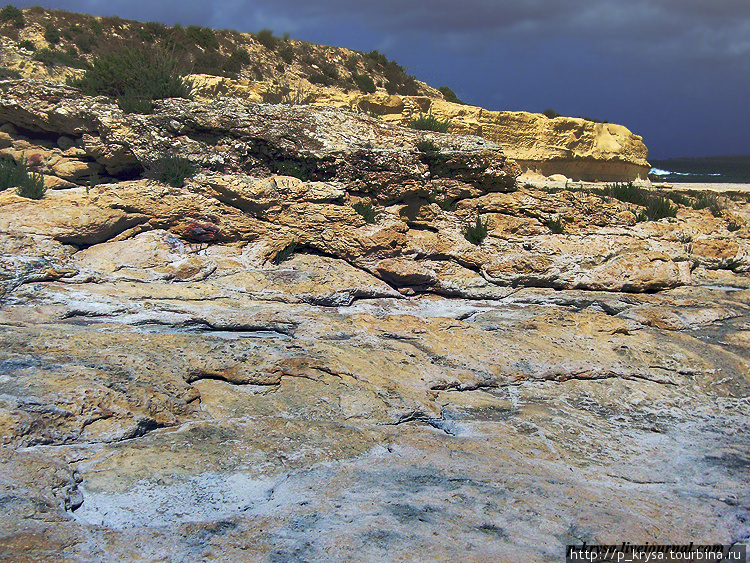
(676, 186)
(702, 186)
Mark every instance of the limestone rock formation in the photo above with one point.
(298, 355)
(270, 69)
(579, 149)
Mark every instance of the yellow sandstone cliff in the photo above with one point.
(577, 148)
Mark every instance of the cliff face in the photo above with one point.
(296, 354)
(270, 69)
(579, 149)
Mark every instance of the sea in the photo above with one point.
(713, 170)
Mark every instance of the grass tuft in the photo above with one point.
(556, 226)
(28, 184)
(285, 253)
(477, 232)
(710, 202)
(426, 145)
(429, 123)
(366, 210)
(656, 206)
(171, 169)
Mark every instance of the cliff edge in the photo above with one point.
(260, 67)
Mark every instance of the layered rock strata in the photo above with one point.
(577, 148)
(243, 368)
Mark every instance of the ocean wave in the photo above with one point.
(660, 172)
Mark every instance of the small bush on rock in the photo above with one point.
(429, 123)
(365, 83)
(425, 145)
(657, 207)
(556, 226)
(265, 37)
(13, 15)
(28, 184)
(51, 34)
(171, 169)
(285, 253)
(710, 202)
(135, 76)
(477, 232)
(366, 210)
(54, 57)
(9, 73)
(450, 95)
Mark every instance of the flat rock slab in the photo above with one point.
(171, 421)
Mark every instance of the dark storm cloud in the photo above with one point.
(672, 28)
(675, 71)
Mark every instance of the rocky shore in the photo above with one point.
(299, 355)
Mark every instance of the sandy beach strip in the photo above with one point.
(717, 187)
(675, 186)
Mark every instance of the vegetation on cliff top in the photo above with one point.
(135, 75)
(78, 40)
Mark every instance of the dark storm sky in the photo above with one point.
(676, 72)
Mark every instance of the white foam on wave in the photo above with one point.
(660, 172)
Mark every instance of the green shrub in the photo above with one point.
(286, 52)
(171, 169)
(679, 199)
(329, 69)
(94, 181)
(202, 36)
(285, 253)
(11, 174)
(429, 123)
(265, 37)
(352, 62)
(9, 73)
(51, 34)
(734, 225)
(13, 15)
(151, 31)
(477, 232)
(85, 42)
(54, 57)
(365, 83)
(236, 60)
(321, 79)
(551, 114)
(134, 73)
(625, 191)
(710, 202)
(450, 95)
(377, 58)
(28, 184)
(132, 102)
(366, 210)
(446, 203)
(556, 226)
(425, 145)
(656, 206)
(27, 44)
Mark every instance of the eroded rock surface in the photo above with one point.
(245, 369)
